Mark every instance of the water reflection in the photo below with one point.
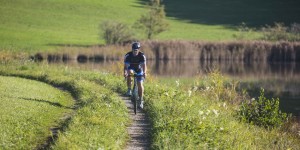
(278, 79)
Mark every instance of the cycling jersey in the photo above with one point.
(135, 62)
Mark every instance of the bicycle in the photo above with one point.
(135, 93)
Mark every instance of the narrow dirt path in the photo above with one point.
(139, 130)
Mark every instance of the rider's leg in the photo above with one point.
(140, 89)
(129, 81)
(141, 94)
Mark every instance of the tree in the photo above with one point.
(154, 21)
(115, 32)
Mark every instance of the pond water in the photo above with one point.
(280, 80)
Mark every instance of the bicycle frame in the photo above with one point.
(135, 92)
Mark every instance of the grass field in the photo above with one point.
(98, 113)
(28, 110)
(201, 116)
(42, 25)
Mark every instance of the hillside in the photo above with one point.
(42, 25)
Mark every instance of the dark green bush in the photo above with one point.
(262, 112)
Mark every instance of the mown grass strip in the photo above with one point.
(101, 116)
(28, 110)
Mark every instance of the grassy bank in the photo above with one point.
(197, 117)
(203, 116)
(28, 110)
(99, 113)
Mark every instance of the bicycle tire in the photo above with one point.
(135, 96)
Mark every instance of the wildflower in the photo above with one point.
(215, 112)
(201, 112)
(221, 128)
(208, 112)
(195, 88)
(177, 83)
(252, 99)
(224, 105)
(189, 93)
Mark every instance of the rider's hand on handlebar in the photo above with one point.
(125, 74)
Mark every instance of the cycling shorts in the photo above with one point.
(138, 72)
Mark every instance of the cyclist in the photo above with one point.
(135, 61)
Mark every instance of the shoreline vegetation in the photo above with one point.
(198, 116)
(235, 51)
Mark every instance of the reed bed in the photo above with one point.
(236, 51)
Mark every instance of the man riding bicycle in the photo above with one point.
(135, 62)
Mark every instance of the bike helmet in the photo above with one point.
(136, 45)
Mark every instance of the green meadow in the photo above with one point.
(43, 25)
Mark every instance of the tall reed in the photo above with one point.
(236, 51)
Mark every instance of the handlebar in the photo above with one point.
(135, 75)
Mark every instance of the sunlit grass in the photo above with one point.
(28, 110)
(204, 117)
(43, 25)
(201, 115)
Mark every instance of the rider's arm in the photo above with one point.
(125, 69)
(144, 68)
(125, 65)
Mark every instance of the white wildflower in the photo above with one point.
(215, 112)
(195, 88)
(167, 94)
(201, 112)
(221, 128)
(208, 112)
(189, 93)
(207, 88)
(203, 118)
(224, 105)
(177, 83)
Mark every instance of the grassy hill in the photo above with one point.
(42, 24)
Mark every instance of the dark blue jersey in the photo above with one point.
(135, 62)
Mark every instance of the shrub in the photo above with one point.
(262, 112)
(115, 32)
(281, 32)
